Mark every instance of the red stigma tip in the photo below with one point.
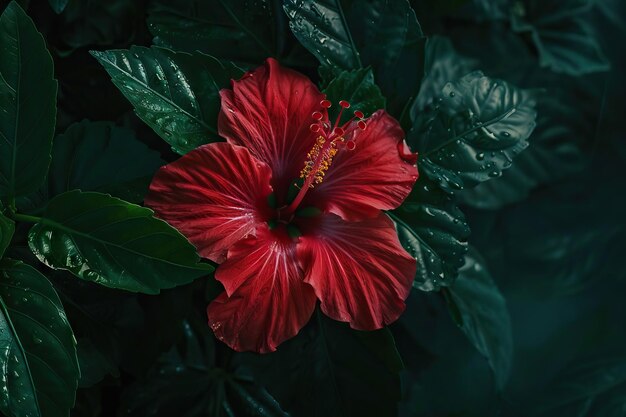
(344, 104)
(359, 114)
(339, 131)
(361, 124)
(325, 103)
(315, 127)
(350, 145)
(317, 115)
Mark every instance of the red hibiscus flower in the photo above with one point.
(291, 207)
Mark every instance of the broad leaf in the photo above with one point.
(197, 386)
(485, 317)
(58, 5)
(234, 29)
(99, 156)
(114, 243)
(28, 97)
(7, 227)
(476, 128)
(176, 94)
(332, 370)
(37, 346)
(561, 34)
(358, 88)
(383, 34)
(554, 153)
(434, 231)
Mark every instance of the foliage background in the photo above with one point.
(550, 231)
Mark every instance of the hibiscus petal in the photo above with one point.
(377, 175)
(215, 195)
(269, 112)
(359, 270)
(265, 302)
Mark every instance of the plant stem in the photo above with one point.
(26, 218)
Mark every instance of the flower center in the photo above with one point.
(329, 141)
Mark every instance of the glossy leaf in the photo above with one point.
(197, 386)
(474, 131)
(117, 244)
(28, 96)
(561, 34)
(58, 5)
(330, 369)
(7, 227)
(99, 156)
(234, 29)
(358, 88)
(175, 93)
(434, 231)
(485, 317)
(383, 34)
(37, 346)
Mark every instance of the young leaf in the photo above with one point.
(383, 34)
(561, 34)
(99, 156)
(114, 243)
(474, 131)
(7, 227)
(434, 231)
(37, 347)
(175, 93)
(485, 317)
(358, 88)
(332, 370)
(28, 95)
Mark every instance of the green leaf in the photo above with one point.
(562, 35)
(197, 386)
(383, 34)
(473, 132)
(99, 156)
(332, 370)
(237, 29)
(58, 5)
(434, 231)
(112, 242)
(175, 93)
(7, 227)
(485, 317)
(358, 88)
(28, 97)
(554, 153)
(587, 388)
(38, 349)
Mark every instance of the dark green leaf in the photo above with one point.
(98, 156)
(554, 153)
(58, 5)
(38, 349)
(434, 231)
(383, 34)
(196, 386)
(114, 243)
(237, 29)
(28, 97)
(176, 94)
(7, 227)
(332, 370)
(486, 320)
(94, 363)
(474, 131)
(582, 384)
(358, 88)
(562, 35)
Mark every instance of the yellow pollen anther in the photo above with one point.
(319, 160)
